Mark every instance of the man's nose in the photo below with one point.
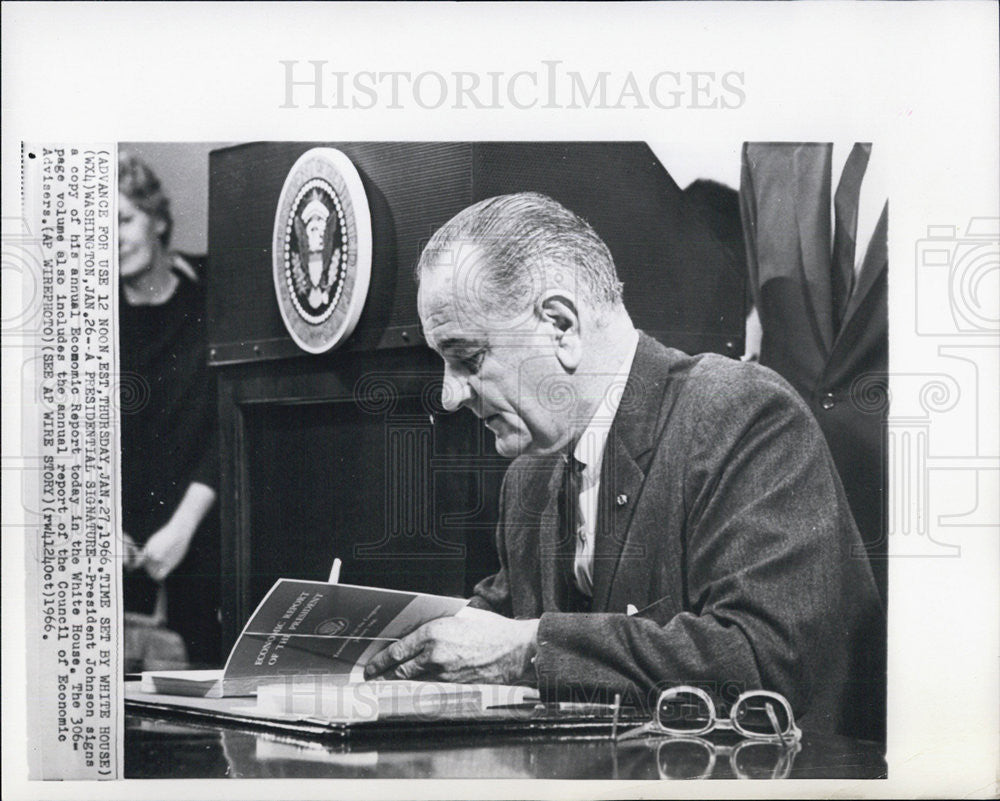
(455, 391)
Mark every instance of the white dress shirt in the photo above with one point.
(870, 201)
(589, 451)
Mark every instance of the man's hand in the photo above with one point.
(484, 648)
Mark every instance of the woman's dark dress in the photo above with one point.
(169, 440)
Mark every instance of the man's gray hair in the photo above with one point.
(530, 242)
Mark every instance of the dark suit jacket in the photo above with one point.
(722, 520)
(841, 371)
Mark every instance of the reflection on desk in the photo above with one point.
(158, 748)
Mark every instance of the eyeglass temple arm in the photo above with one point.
(774, 722)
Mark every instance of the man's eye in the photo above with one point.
(474, 362)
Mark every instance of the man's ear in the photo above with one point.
(558, 309)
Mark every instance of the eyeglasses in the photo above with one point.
(685, 711)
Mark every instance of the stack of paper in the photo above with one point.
(318, 697)
(198, 683)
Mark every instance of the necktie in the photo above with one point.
(845, 208)
(569, 524)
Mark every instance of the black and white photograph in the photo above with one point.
(548, 404)
(604, 418)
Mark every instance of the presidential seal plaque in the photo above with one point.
(322, 249)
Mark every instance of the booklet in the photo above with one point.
(304, 628)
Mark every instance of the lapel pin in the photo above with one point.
(622, 499)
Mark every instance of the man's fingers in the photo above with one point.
(413, 668)
(386, 659)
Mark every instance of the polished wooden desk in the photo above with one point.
(167, 746)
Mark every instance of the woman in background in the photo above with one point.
(168, 416)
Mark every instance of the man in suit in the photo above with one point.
(821, 295)
(667, 519)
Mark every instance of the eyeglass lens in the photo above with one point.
(759, 715)
(683, 712)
